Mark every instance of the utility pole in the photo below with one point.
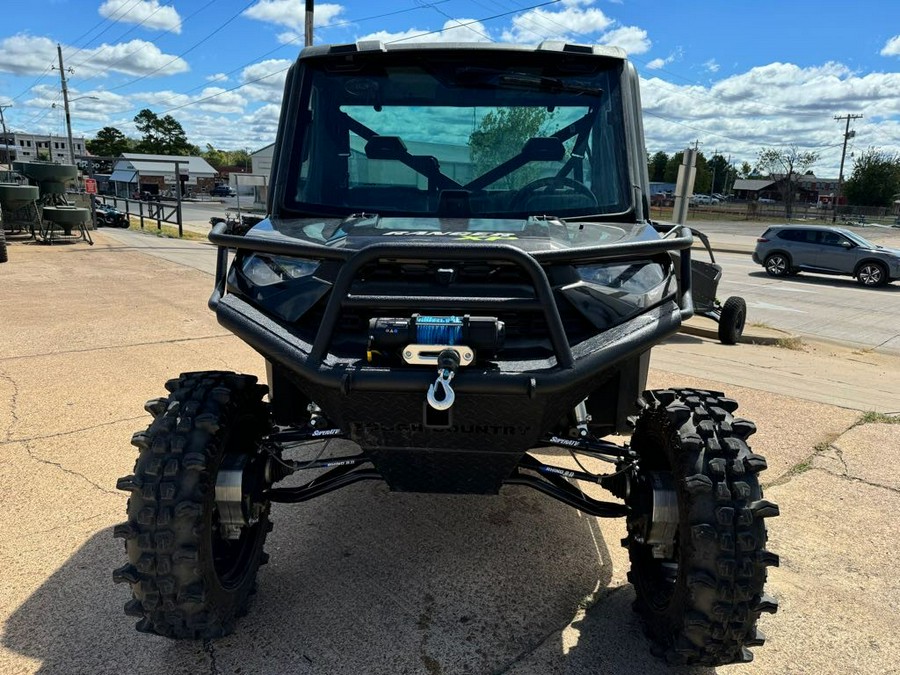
(65, 93)
(308, 24)
(5, 138)
(847, 136)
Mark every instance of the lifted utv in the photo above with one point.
(458, 268)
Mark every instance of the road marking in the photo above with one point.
(773, 286)
(756, 304)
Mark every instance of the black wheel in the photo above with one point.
(3, 255)
(191, 565)
(778, 265)
(696, 534)
(731, 320)
(549, 185)
(872, 274)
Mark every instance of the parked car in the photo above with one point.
(787, 250)
(109, 216)
(222, 191)
(703, 199)
(765, 200)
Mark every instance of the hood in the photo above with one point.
(532, 234)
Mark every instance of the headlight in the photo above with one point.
(637, 277)
(267, 270)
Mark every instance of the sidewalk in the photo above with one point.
(368, 581)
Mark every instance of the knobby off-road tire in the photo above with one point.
(701, 605)
(3, 256)
(187, 580)
(731, 320)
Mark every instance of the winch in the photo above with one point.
(420, 339)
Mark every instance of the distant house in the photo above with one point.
(807, 188)
(752, 189)
(156, 174)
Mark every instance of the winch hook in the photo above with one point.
(440, 394)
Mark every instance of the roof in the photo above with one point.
(263, 149)
(133, 161)
(557, 46)
(124, 176)
(752, 184)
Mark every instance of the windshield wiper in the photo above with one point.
(348, 223)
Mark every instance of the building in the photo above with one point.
(21, 147)
(155, 174)
(807, 189)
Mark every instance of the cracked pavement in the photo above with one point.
(367, 581)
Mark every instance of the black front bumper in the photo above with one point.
(502, 409)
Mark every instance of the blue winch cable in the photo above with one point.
(439, 330)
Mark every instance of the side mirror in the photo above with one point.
(846, 244)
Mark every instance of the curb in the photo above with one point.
(751, 336)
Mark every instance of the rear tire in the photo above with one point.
(732, 320)
(701, 598)
(778, 265)
(3, 257)
(188, 580)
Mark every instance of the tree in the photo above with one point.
(162, 135)
(501, 135)
(109, 142)
(702, 177)
(657, 167)
(786, 165)
(875, 180)
(722, 172)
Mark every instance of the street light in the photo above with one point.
(69, 123)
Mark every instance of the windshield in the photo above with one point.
(402, 134)
(860, 241)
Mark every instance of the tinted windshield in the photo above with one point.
(856, 239)
(434, 135)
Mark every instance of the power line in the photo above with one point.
(186, 51)
(278, 72)
(135, 51)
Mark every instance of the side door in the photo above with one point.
(836, 253)
(802, 245)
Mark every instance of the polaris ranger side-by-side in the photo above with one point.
(458, 269)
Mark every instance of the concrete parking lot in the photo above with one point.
(367, 581)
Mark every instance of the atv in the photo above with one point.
(458, 270)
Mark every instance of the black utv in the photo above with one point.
(458, 268)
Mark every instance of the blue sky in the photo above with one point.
(735, 76)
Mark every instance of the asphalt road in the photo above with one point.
(815, 305)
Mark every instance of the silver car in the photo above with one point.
(786, 250)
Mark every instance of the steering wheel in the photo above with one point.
(548, 186)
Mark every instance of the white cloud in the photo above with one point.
(289, 37)
(454, 30)
(217, 77)
(220, 100)
(95, 105)
(541, 23)
(712, 66)
(148, 13)
(25, 54)
(777, 104)
(266, 80)
(632, 39)
(658, 63)
(291, 13)
(891, 47)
